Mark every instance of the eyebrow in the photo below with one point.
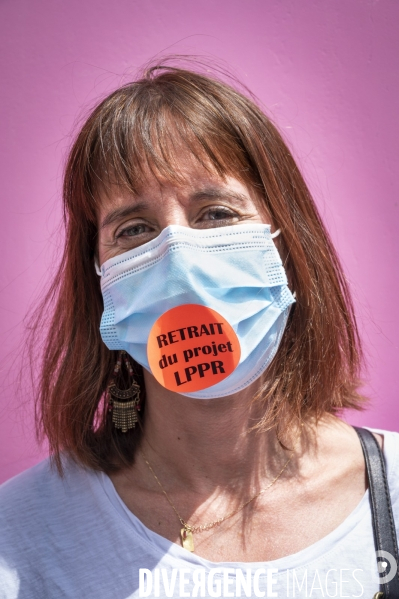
(119, 213)
(197, 196)
(217, 193)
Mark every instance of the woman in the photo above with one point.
(202, 344)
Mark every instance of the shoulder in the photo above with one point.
(390, 445)
(338, 439)
(32, 498)
(36, 504)
(41, 517)
(38, 486)
(347, 439)
(340, 454)
(389, 442)
(24, 500)
(40, 494)
(25, 491)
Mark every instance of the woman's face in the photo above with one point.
(204, 200)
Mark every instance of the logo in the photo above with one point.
(386, 565)
(192, 347)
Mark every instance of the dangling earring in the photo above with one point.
(124, 404)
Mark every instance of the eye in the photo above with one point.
(218, 213)
(133, 231)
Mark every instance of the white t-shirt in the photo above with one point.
(75, 538)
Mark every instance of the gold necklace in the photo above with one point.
(186, 533)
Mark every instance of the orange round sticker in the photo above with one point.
(192, 347)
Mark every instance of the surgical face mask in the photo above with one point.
(202, 310)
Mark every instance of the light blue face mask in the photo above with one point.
(234, 271)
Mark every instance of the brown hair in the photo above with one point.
(316, 367)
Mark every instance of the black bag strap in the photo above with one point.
(381, 508)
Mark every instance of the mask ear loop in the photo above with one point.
(276, 234)
(97, 267)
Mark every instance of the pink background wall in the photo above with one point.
(327, 70)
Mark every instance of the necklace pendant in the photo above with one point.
(187, 539)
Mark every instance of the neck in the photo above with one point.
(205, 444)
